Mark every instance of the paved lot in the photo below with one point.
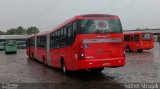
(140, 68)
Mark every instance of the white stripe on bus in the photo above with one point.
(102, 40)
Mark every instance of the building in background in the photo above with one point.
(20, 40)
(156, 32)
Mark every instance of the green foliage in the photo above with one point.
(2, 33)
(16, 31)
(11, 31)
(32, 30)
(21, 31)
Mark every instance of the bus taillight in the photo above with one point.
(81, 55)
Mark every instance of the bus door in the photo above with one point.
(132, 43)
(147, 39)
(136, 42)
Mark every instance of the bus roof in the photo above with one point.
(99, 15)
(42, 33)
(30, 36)
(38, 34)
(71, 20)
(63, 24)
(136, 32)
(80, 17)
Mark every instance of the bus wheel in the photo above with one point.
(140, 50)
(44, 61)
(128, 49)
(97, 70)
(63, 67)
(32, 57)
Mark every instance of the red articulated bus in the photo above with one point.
(92, 42)
(138, 41)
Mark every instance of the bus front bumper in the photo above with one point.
(10, 50)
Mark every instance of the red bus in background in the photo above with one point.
(90, 42)
(138, 41)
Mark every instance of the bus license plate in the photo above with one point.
(106, 64)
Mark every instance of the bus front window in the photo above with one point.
(89, 26)
(146, 36)
(10, 42)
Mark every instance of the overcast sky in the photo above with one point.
(45, 14)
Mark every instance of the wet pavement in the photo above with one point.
(140, 68)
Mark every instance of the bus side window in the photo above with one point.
(41, 42)
(44, 42)
(65, 40)
(58, 38)
(52, 40)
(74, 30)
(38, 42)
(69, 34)
(32, 43)
(79, 29)
(55, 39)
(27, 43)
(61, 37)
(136, 37)
(127, 38)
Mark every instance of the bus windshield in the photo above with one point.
(11, 42)
(89, 26)
(147, 36)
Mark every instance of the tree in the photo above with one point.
(11, 31)
(2, 33)
(20, 31)
(32, 30)
(16, 31)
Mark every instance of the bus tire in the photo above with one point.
(140, 50)
(63, 67)
(32, 57)
(28, 54)
(44, 60)
(128, 49)
(97, 70)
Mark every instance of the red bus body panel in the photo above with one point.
(108, 58)
(42, 53)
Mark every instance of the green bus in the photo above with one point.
(2, 44)
(10, 46)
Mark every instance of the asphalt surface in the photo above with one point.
(140, 68)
